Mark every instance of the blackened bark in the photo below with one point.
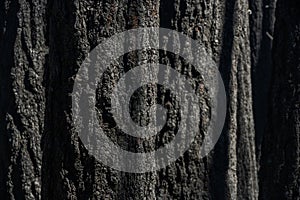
(22, 61)
(262, 19)
(280, 176)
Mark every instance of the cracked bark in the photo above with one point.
(42, 45)
(23, 49)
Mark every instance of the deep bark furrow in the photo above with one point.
(42, 45)
(279, 173)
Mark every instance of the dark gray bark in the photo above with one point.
(43, 44)
(69, 172)
(22, 61)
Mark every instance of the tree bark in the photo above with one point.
(262, 21)
(71, 28)
(43, 43)
(23, 57)
(280, 177)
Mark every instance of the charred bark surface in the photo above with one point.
(262, 19)
(280, 177)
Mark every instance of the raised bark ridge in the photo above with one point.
(42, 45)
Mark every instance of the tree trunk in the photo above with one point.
(43, 43)
(76, 28)
(23, 57)
(261, 39)
(280, 176)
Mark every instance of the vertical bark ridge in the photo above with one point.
(23, 49)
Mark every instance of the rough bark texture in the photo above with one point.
(22, 97)
(42, 45)
(188, 178)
